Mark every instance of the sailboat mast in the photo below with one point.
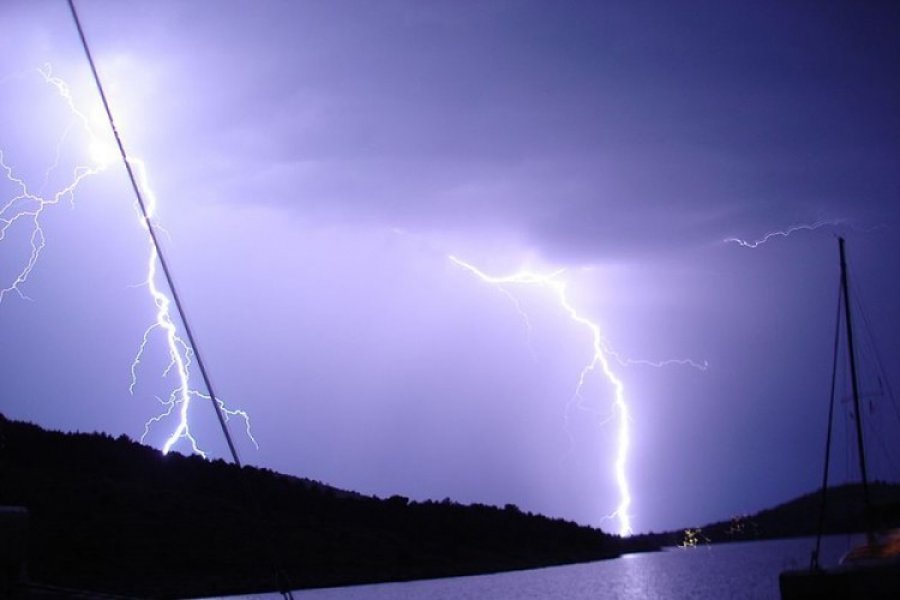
(859, 436)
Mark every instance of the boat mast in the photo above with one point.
(859, 436)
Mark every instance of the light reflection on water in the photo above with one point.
(742, 571)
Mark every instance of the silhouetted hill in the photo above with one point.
(844, 513)
(114, 516)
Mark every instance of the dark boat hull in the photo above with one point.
(858, 581)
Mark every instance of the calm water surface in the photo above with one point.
(747, 570)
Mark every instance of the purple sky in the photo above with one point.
(317, 162)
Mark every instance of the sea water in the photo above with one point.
(741, 571)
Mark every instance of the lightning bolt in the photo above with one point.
(782, 233)
(658, 364)
(25, 209)
(599, 360)
(27, 206)
(180, 353)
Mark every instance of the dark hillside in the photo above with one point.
(845, 513)
(114, 516)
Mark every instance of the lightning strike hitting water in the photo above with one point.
(599, 360)
(782, 233)
(27, 206)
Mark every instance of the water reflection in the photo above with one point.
(742, 571)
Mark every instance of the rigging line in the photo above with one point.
(884, 383)
(159, 253)
(834, 368)
(282, 580)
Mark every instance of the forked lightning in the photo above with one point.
(599, 360)
(25, 209)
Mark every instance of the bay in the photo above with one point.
(741, 570)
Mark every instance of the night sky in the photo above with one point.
(316, 164)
